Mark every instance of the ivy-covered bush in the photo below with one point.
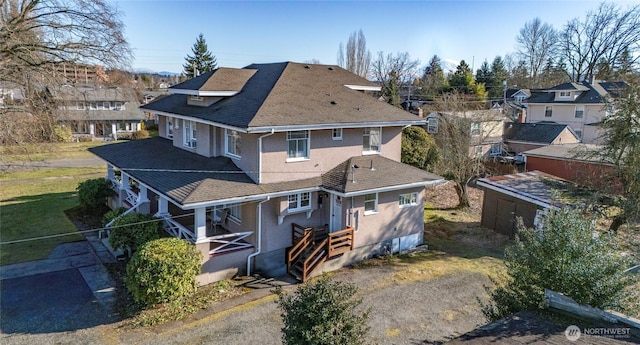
(163, 270)
(93, 194)
(141, 134)
(133, 230)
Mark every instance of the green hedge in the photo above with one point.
(163, 270)
(133, 230)
(93, 194)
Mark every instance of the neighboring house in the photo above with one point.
(274, 168)
(523, 195)
(519, 137)
(10, 94)
(99, 111)
(572, 162)
(583, 106)
(485, 129)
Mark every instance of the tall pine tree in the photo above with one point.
(201, 61)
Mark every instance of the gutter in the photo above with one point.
(260, 153)
(259, 249)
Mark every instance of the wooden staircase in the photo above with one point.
(311, 248)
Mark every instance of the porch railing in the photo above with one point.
(340, 242)
(316, 258)
(295, 252)
(298, 232)
(229, 242)
(177, 230)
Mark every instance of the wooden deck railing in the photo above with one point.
(298, 232)
(317, 257)
(340, 242)
(294, 253)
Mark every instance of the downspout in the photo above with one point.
(260, 154)
(259, 249)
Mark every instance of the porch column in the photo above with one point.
(92, 129)
(143, 201)
(163, 206)
(200, 224)
(124, 185)
(114, 131)
(110, 172)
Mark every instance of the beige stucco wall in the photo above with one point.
(325, 153)
(565, 114)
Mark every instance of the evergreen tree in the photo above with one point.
(201, 61)
(500, 75)
(433, 81)
(462, 78)
(484, 74)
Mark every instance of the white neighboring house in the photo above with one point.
(582, 106)
(99, 111)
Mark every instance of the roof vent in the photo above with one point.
(307, 66)
(334, 102)
(330, 68)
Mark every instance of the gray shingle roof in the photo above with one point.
(356, 175)
(544, 133)
(591, 93)
(220, 79)
(188, 178)
(290, 94)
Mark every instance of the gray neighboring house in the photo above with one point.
(99, 111)
(275, 168)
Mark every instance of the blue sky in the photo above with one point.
(239, 33)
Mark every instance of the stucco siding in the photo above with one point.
(565, 114)
(324, 153)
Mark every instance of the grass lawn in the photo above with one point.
(32, 205)
(46, 151)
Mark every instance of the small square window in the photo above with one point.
(579, 111)
(299, 201)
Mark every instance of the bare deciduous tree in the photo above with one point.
(536, 43)
(603, 36)
(392, 72)
(37, 36)
(355, 58)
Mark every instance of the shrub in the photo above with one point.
(323, 312)
(93, 194)
(62, 134)
(133, 230)
(564, 256)
(163, 270)
(112, 214)
(141, 134)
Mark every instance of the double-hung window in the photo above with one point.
(579, 111)
(548, 111)
(408, 199)
(475, 129)
(297, 145)
(232, 143)
(371, 203)
(371, 140)
(336, 134)
(189, 134)
(432, 125)
(299, 201)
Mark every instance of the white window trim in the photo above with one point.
(299, 208)
(235, 219)
(432, 128)
(375, 207)
(299, 159)
(412, 197)
(370, 152)
(575, 113)
(333, 134)
(226, 144)
(476, 129)
(192, 128)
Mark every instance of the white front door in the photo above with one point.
(336, 213)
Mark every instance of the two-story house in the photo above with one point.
(99, 111)
(582, 106)
(483, 129)
(275, 167)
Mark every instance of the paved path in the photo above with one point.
(68, 291)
